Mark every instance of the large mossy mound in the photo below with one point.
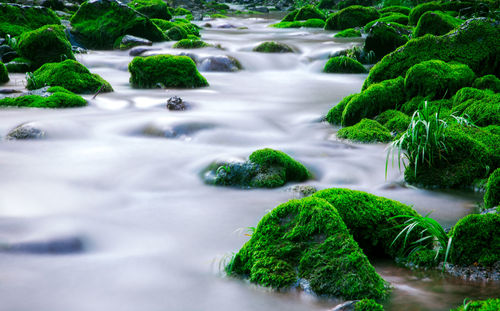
(265, 168)
(273, 47)
(152, 8)
(16, 19)
(350, 17)
(59, 98)
(4, 75)
(308, 12)
(366, 131)
(397, 18)
(165, 71)
(488, 82)
(70, 75)
(344, 64)
(476, 240)
(420, 9)
(492, 194)
(479, 106)
(436, 23)
(307, 239)
(47, 44)
(369, 219)
(476, 44)
(437, 79)
(480, 305)
(383, 38)
(99, 23)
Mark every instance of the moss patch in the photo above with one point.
(190, 44)
(390, 18)
(273, 47)
(4, 75)
(368, 305)
(480, 305)
(436, 23)
(58, 99)
(310, 23)
(152, 8)
(348, 33)
(488, 82)
(396, 9)
(366, 131)
(343, 64)
(394, 121)
(492, 194)
(480, 106)
(383, 38)
(16, 19)
(334, 115)
(350, 17)
(308, 12)
(420, 9)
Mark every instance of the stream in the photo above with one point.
(142, 230)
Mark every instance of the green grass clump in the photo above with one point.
(350, 17)
(152, 8)
(190, 44)
(370, 219)
(344, 64)
(58, 99)
(366, 131)
(334, 115)
(47, 44)
(348, 33)
(70, 75)
(481, 106)
(4, 75)
(436, 23)
(394, 120)
(492, 194)
(420, 9)
(476, 240)
(273, 47)
(437, 79)
(16, 19)
(368, 305)
(390, 18)
(384, 37)
(480, 305)
(396, 9)
(165, 70)
(474, 44)
(99, 24)
(488, 82)
(307, 239)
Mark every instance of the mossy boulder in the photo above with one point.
(166, 71)
(348, 33)
(179, 11)
(344, 64)
(342, 4)
(420, 9)
(290, 17)
(152, 8)
(366, 131)
(190, 44)
(273, 47)
(99, 23)
(16, 19)
(4, 75)
(396, 9)
(47, 44)
(59, 98)
(19, 64)
(475, 43)
(177, 33)
(310, 23)
(383, 38)
(307, 239)
(334, 115)
(398, 18)
(163, 24)
(70, 75)
(350, 17)
(436, 23)
(437, 79)
(480, 106)
(374, 100)
(480, 305)
(476, 240)
(308, 12)
(492, 194)
(488, 82)
(394, 120)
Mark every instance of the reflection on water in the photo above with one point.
(151, 229)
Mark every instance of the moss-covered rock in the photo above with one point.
(152, 8)
(350, 17)
(307, 239)
(177, 33)
(475, 44)
(369, 219)
(70, 75)
(436, 23)
(308, 12)
(480, 106)
(4, 75)
(334, 115)
(420, 9)
(396, 9)
(58, 99)
(47, 44)
(488, 82)
(394, 120)
(19, 64)
(290, 17)
(389, 18)
(383, 38)
(368, 305)
(179, 11)
(476, 239)
(273, 47)
(374, 100)
(492, 194)
(343, 64)
(348, 33)
(366, 131)
(342, 4)
(480, 305)
(310, 23)
(166, 71)
(98, 23)
(190, 44)
(327, 4)
(16, 19)
(437, 79)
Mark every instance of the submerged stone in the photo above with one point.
(25, 131)
(273, 47)
(223, 63)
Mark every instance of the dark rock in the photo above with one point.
(9, 91)
(175, 103)
(207, 25)
(262, 9)
(18, 65)
(226, 26)
(221, 63)
(9, 56)
(346, 306)
(60, 246)
(139, 51)
(25, 131)
(383, 38)
(129, 41)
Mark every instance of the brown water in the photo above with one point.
(153, 233)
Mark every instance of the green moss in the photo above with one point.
(290, 17)
(307, 239)
(215, 15)
(374, 100)
(391, 18)
(369, 219)
(350, 17)
(16, 19)
(310, 23)
(474, 44)
(334, 115)
(488, 82)
(480, 305)
(476, 239)
(492, 194)
(181, 12)
(4, 75)
(423, 258)
(273, 47)
(396, 9)
(348, 33)
(165, 70)
(420, 9)
(269, 158)
(366, 131)
(56, 100)
(383, 38)
(19, 64)
(368, 305)
(480, 106)
(327, 4)
(177, 33)
(418, 102)
(394, 121)
(99, 23)
(152, 8)
(70, 75)
(164, 25)
(437, 79)
(436, 23)
(347, 3)
(343, 64)
(190, 44)
(309, 12)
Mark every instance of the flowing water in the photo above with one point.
(144, 231)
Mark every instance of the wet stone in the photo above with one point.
(176, 103)
(25, 131)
